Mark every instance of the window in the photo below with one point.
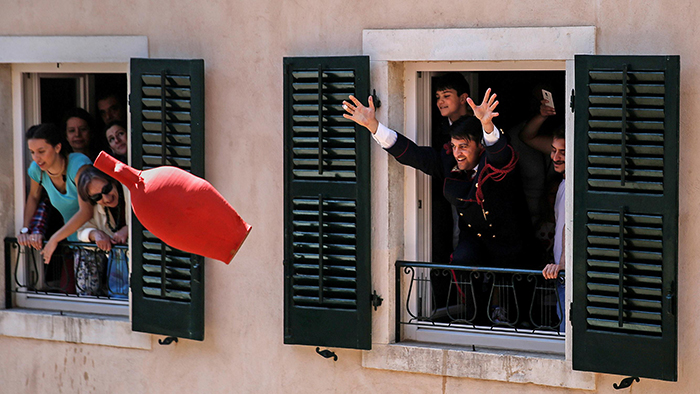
(49, 92)
(168, 100)
(446, 306)
(622, 98)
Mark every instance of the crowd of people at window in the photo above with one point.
(71, 200)
(497, 211)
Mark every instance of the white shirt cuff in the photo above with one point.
(491, 139)
(385, 136)
(84, 234)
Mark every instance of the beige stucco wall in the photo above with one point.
(243, 44)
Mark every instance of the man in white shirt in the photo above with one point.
(555, 145)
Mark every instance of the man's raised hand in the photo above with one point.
(358, 113)
(484, 112)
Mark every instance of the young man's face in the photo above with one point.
(450, 104)
(558, 154)
(466, 153)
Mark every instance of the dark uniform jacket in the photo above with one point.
(498, 231)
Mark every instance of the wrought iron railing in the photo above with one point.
(76, 270)
(478, 298)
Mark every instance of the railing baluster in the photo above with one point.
(8, 273)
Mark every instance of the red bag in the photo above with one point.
(181, 209)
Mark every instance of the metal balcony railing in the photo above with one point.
(76, 270)
(477, 298)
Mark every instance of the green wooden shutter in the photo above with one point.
(626, 215)
(326, 205)
(167, 128)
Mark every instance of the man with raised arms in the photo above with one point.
(479, 177)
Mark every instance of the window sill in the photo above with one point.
(73, 328)
(488, 364)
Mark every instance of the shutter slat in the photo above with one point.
(633, 100)
(170, 93)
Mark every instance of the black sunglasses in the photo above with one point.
(105, 190)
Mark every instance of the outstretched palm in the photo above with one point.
(485, 112)
(364, 116)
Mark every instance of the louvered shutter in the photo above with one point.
(326, 204)
(167, 128)
(626, 215)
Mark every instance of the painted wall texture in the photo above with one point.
(243, 44)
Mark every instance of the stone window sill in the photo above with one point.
(73, 328)
(488, 364)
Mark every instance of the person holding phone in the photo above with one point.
(555, 146)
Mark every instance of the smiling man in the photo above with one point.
(477, 172)
(555, 146)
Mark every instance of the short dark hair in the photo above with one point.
(88, 174)
(467, 128)
(452, 80)
(81, 114)
(50, 133)
(559, 132)
(107, 94)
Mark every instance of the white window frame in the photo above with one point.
(32, 92)
(72, 54)
(25, 113)
(417, 235)
(391, 53)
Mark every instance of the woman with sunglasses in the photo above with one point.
(55, 170)
(108, 224)
(106, 228)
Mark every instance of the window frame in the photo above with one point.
(63, 51)
(25, 113)
(417, 237)
(391, 52)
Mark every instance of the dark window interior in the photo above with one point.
(519, 94)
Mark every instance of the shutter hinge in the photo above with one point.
(572, 103)
(375, 98)
(130, 280)
(376, 299)
(420, 204)
(626, 382)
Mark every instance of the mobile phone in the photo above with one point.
(548, 96)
